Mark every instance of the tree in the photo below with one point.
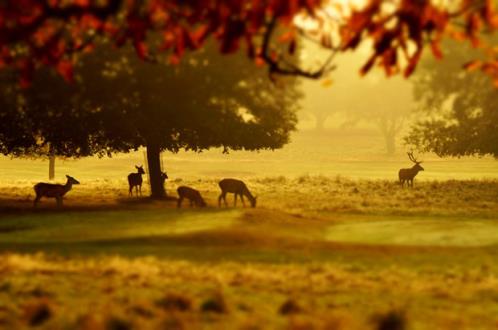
(385, 103)
(119, 103)
(37, 33)
(206, 101)
(459, 108)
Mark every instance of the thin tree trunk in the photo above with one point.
(154, 164)
(51, 167)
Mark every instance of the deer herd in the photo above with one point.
(233, 186)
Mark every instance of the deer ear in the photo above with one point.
(67, 176)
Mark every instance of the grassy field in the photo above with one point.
(334, 243)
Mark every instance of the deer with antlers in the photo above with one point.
(408, 174)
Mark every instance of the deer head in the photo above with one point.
(140, 169)
(72, 180)
(414, 160)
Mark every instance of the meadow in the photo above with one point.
(334, 243)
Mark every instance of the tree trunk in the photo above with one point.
(154, 164)
(390, 138)
(51, 167)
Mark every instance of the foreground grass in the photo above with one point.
(319, 253)
(150, 293)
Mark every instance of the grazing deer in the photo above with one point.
(408, 174)
(135, 180)
(236, 187)
(51, 190)
(194, 196)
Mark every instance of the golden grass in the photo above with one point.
(310, 196)
(146, 292)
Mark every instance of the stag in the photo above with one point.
(408, 174)
(135, 180)
(236, 187)
(51, 190)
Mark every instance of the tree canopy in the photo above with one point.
(461, 107)
(120, 103)
(37, 33)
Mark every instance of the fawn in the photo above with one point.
(135, 180)
(194, 196)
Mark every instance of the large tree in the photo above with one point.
(119, 103)
(458, 108)
(205, 101)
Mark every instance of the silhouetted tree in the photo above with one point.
(119, 103)
(459, 108)
(208, 100)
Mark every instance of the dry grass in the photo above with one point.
(130, 292)
(304, 195)
(264, 268)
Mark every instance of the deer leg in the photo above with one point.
(179, 203)
(37, 199)
(140, 189)
(130, 191)
(235, 200)
(242, 199)
(222, 196)
(59, 201)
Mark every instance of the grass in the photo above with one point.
(345, 248)
(146, 264)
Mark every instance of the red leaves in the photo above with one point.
(233, 31)
(472, 65)
(65, 69)
(141, 49)
(51, 31)
(436, 49)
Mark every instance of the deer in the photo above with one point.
(164, 177)
(194, 196)
(236, 187)
(135, 180)
(51, 190)
(408, 174)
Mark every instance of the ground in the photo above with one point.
(320, 251)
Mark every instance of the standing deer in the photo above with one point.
(51, 190)
(194, 196)
(236, 187)
(408, 174)
(135, 180)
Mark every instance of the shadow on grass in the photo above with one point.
(25, 206)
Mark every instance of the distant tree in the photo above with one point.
(387, 104)
(459, 108)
